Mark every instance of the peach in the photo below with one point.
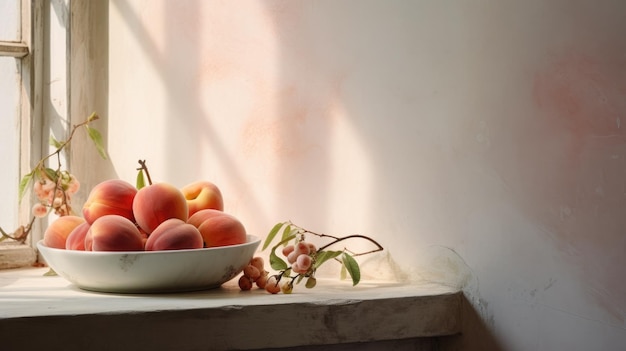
(158, 202)
(218, 228)
(110, 197)
(113, 233)
(202, 195)
(88, 241)
(57, 232)
(76, 239)
(199, 217)
(174, 234)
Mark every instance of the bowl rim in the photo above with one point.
(252, 240)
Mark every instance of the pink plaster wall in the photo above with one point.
(480, 142)
(581, 100)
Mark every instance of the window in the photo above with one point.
(35, 61)
(17, 66)
(11, 50)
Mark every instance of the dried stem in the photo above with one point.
(20, 234)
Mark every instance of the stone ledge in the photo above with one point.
(40, 311)
(13, 255)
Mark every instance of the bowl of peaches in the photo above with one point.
(155, 239)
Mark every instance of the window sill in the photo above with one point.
(13, 255)
(42, 311)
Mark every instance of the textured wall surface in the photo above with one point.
(480, 142)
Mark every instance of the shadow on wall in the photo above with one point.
(475, 333)
(443, 265)
(190, 121)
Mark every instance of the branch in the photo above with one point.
(379, 247)
(339, 239)
(64, 144)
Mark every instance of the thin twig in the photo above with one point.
(379, 247)
(339, 239)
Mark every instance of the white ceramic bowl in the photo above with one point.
(150, 271)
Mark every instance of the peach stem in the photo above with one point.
(145, 168)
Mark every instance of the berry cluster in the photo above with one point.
(301, 257)
(254, 273)
(53, 188)
(54, 195)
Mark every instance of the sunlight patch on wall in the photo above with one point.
(351, 184)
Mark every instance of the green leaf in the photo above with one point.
(141, 182)
(323, 256)
(24, 183)
(284, 241)
(286, 233)
(352, 267)
(272, 234)
(310, 283)
(97, 140)
(51, 174)
(54, 142)
(276, 262)
(343, 274)
(50, 273)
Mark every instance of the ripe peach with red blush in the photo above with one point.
(199, 217)
(218, 228)
(158, 202)
(76, 239)
(110, 197)
(113, 233)
(174, 234)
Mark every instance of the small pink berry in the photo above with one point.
(272, 286)
(302, 248)
(245, 283)
(287, 250)
(251, 272)
(262, 281)
(40, 210)
(296, 268)
(73, 185)
(304, 262)
(48, 185)
(258, 262)
(291, 258)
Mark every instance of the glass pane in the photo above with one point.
(10, 20)
(9, 141)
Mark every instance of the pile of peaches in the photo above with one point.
(119, 217)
